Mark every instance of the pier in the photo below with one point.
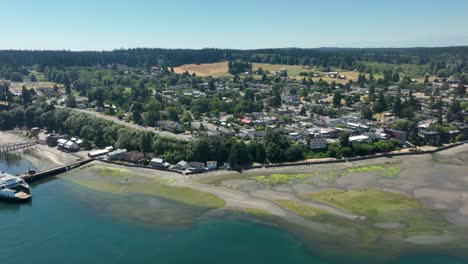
(22, 145)
(32, 177)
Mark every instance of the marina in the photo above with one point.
(15, 187)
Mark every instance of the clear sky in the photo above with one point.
(241, 24)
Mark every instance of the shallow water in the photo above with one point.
(67, 223)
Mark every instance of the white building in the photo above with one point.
(318, 143)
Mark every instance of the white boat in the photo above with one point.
(13, 188)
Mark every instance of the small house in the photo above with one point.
(61, 142)
(212, 165)
(133, 157)
(116, 154)
(359, 138)
(430, 137)
(158, 163)
(396, 134)
(196, 166)
(181, 165)
(318, 143)
(35, 131)
(71, 146)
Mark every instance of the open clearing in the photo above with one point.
(220, 69)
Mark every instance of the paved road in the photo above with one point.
(132, 125)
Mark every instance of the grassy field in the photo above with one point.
(218, 69)
(119, 180)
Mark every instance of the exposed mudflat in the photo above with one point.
(420, 199)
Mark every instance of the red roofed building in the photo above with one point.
(246, 120)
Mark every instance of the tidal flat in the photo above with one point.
(400, 204)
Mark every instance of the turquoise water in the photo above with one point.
(65, 224)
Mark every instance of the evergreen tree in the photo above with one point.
(275, 100)
(67, 84)
(146, 142)
(381, 104)
(26, 96)
(337, 99)
(396, 77)
(366, 112)
(397, 106)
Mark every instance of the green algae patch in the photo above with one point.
(380, 206)
(256, 212)
(123, 181)
(366, 202)
(299, 209)
(332, 176)
(181, 194)
(111, 172)
(275, 179)
(384, 171)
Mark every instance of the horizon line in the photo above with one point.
(240, 49)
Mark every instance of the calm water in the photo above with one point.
(65, 224)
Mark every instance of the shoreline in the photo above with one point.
(417, 177)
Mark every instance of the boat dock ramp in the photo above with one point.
(35, 176)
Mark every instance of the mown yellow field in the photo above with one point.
(218, 69)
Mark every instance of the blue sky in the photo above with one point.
(242, 24)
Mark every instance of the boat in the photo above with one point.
(13, 188)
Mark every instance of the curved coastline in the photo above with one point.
(243, 192)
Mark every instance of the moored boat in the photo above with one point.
(13, 188)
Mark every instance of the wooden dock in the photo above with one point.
(32, 177)
(22, 145)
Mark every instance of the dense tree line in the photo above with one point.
(92, 129)
(274, 148)
(338, 57)
(101, 132)
(13, 73)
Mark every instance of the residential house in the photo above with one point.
(158, 163)
(196, 166)
(430, 137)
(397, 134)
(67, 145)
(359, 138)
(170, 125)
(133, 157)
(212, 165)
(116, 154)
(318, 143)
(181, 165)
